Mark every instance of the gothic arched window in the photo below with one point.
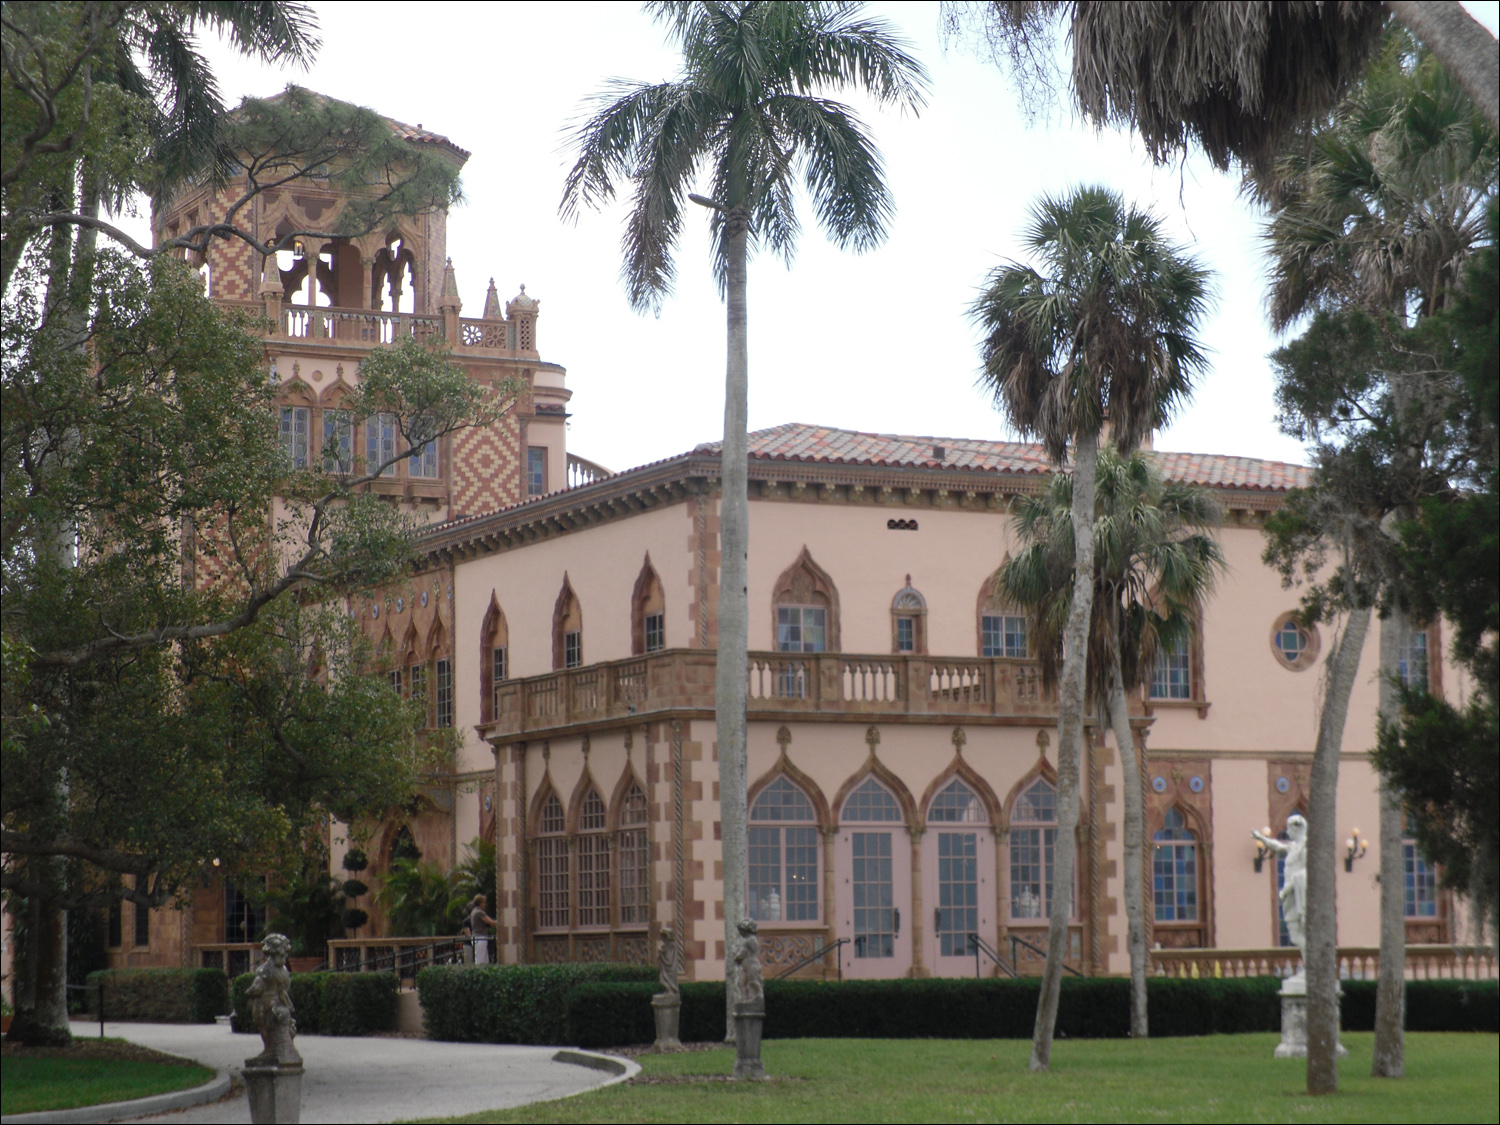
(593, 862)
(552, 866)
(783, 854)
(635, 860)
(1033, 841)
(1174, 870)
(909, 620)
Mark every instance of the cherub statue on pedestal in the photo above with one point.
(271, 997)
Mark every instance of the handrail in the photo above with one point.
(813, 956)
(412, 955)
(1015, 941)
(979, 945)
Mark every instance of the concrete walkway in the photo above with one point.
(369, 1079)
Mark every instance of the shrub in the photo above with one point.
(619, 1014)
(162, 995)
(329, 1003)
(510, 1003)
(1452, 1005)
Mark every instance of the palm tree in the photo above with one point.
(1379, 210)
(1155, 562)
(1105, 329)
(747, 112)
(1382, 207)
(1238, 80)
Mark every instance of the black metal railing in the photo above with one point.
(815, 955)
(98, 989)
(980, 946)
(1015, 941)
(405, 961)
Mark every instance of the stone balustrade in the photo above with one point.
(370, 328)
(781, 685)
(1423, 962)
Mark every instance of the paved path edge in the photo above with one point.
(212, 1090)
(621, 1070)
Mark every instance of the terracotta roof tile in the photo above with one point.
(795, 441)
(798, 442)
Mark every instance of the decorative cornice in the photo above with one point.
(772, 479)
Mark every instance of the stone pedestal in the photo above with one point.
(668, 1009)
(749, 1019)
(275, 1094)
(1293, 1043)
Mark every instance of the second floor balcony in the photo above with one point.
(781, 686)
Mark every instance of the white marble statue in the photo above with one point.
(1293, 888)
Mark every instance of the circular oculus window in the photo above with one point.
(1296, 645)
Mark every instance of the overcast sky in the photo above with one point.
(877, 342)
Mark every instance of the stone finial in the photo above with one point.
(523, 304)
(492, 303)
(783, 738)
(959, 738)
(586, 746)
(450, 299)
(872, 738)
(1043, 740)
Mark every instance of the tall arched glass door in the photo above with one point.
(873, 865)
(958, 878)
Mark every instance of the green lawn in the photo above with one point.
(1451, 1077)
(90, 1072)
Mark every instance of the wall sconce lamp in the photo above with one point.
(1261, 850)
(1354, 848)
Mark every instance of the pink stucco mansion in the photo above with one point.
(901, 749)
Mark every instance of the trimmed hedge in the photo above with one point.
(512, 1003)
(619, 1014)
(329, 1003)
(161, 995)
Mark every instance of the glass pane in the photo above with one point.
(956, 803)
(906, 634)
(801, 891)
(635, 876)
(991, 636)
(1038, 805)
(1413, 666)
(1420, 883)
(1028, 890)
(553, 820)
(874, 896)
(1172, 676)
(1291, 641)
(1174, 874)
(871, 801)
(958, 892)
(591, 818)
(781, 800)
(765, 873)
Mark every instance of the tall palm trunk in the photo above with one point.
(1070, 706)
(1390, 993)
(732, 666)
(1135, 922)
(1322, 860)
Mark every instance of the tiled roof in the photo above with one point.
(413, 133)
(795, 441)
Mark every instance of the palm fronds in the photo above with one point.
(1156, 561)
